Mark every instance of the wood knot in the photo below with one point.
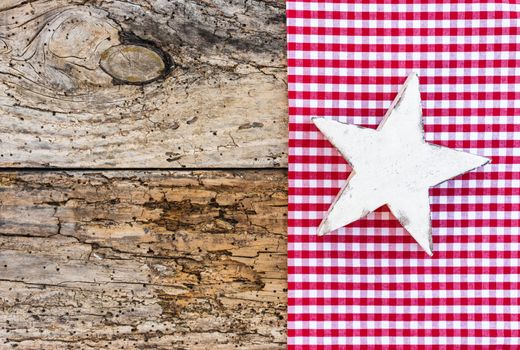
(134, 62)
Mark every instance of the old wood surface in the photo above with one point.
(143, 260)
(140, 83)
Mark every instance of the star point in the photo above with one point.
(393, 165)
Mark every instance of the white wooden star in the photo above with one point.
(392, 165)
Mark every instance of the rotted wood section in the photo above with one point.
(143, 260)
(142, 84)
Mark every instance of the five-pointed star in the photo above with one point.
(392, 165)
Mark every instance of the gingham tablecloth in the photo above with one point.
(369, 285)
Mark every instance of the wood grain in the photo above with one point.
(143, 260)
(146, 84)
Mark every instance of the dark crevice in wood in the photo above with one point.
(61, 169)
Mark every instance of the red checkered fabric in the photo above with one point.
(369, 285)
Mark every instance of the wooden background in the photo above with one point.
(143, 184)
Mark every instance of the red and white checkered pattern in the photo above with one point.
(369, 285)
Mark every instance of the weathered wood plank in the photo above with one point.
(143, 260)
(136, 83)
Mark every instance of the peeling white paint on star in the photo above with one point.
(392, 165)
